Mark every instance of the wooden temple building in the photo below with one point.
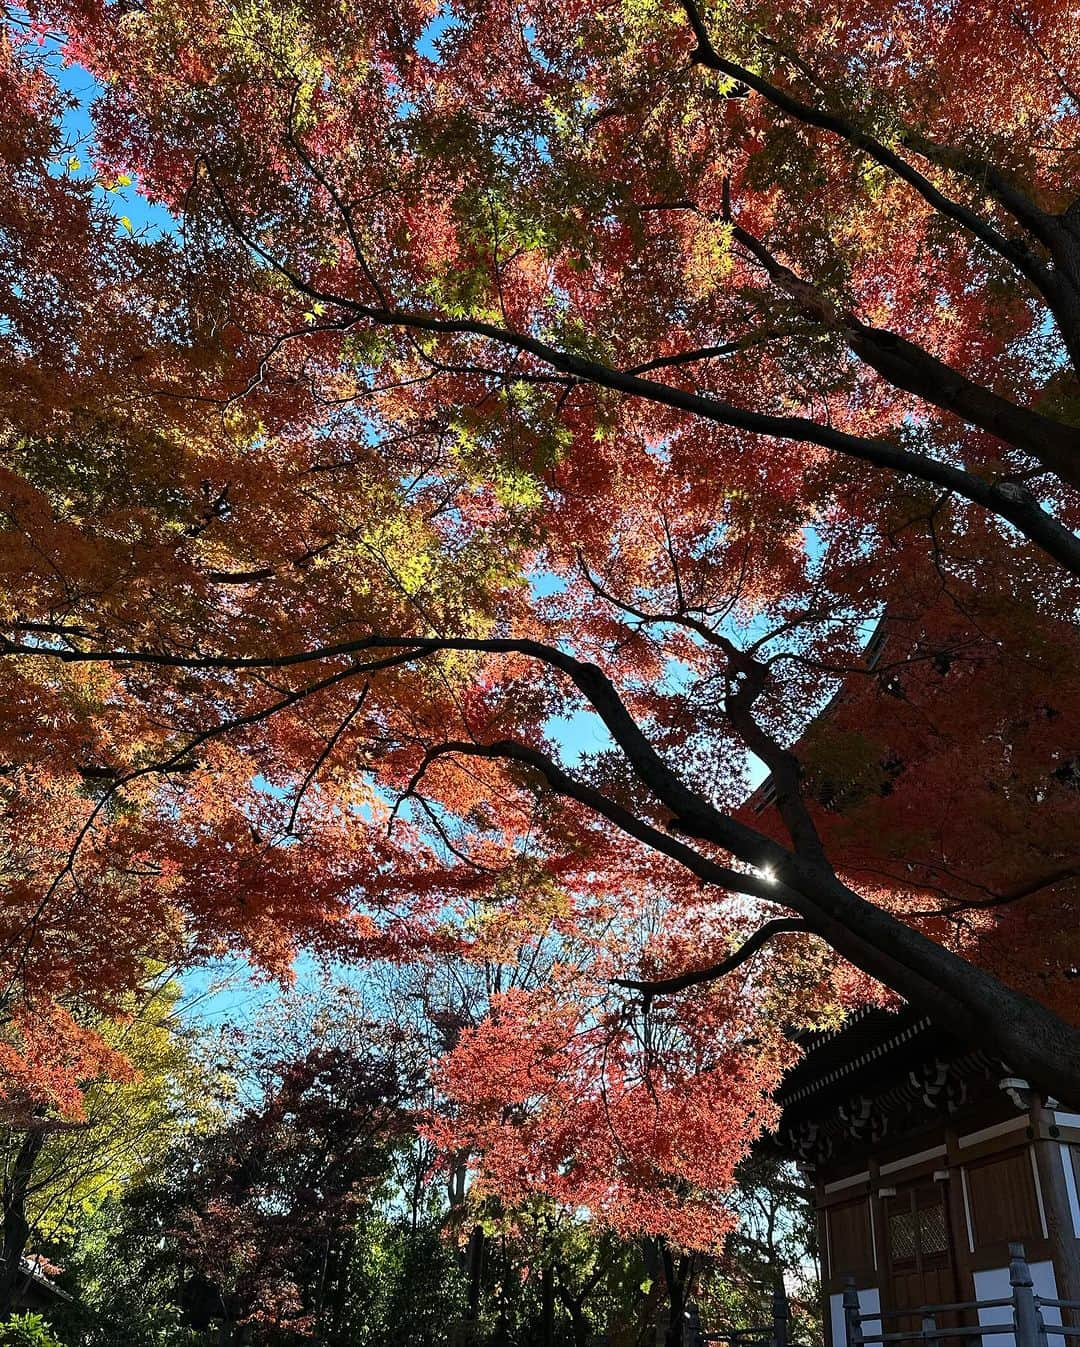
(928, 1156)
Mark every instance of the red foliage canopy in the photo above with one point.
(520, 382)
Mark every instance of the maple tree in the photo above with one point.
(260, 1213)
(620, 366)
(57, 1170)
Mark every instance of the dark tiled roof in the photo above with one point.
(871, 1047)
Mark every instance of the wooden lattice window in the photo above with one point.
(917, 1230)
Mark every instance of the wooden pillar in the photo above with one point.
(1060, 1227)
(958, 1217)
(878, 1232)
(824, 1256)
(1029, 1328)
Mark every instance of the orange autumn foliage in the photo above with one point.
(512, 447)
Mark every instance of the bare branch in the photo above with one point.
(329, 747)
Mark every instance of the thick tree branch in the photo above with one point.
(931, 976)
(906, 365)
(509, 750)
(747, 950)
(1041, 224)
(706, 54)
(1054, 286)
(1009, 502)
(1021, 206)
(688, 808)
(1025, 1033)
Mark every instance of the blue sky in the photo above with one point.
(123, 200)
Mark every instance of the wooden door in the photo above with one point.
(921, 1261)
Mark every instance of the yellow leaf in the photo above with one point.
(126, 223)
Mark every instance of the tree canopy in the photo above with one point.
(532, 427)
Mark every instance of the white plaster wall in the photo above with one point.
(993, 1284)
(869, 1303)
(1070, 1186)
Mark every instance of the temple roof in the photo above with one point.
(882, 1071)
(857, 1048)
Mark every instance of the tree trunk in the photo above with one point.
(16, 1226)
(675, 1278)
(580, 1325)
(959, 995)
(547, 1305)
(575, 1307)
(475, 1263)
